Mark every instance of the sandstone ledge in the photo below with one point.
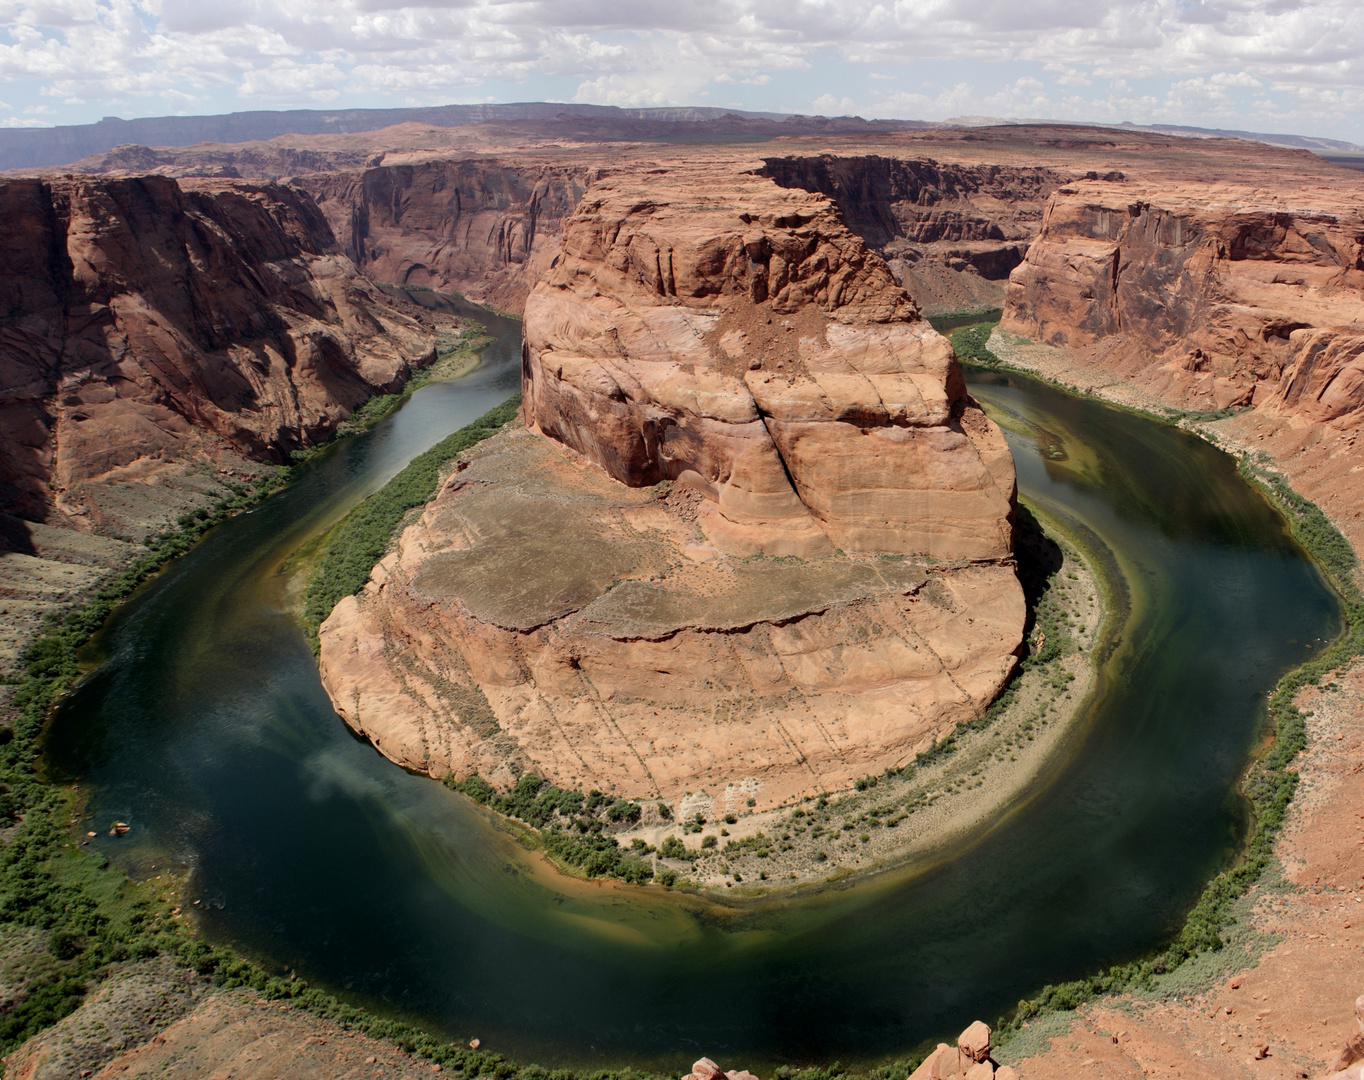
(541, 616)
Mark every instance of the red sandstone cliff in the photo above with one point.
(1208, 295)
(140, 313)
(930, 217)
(560, 608)
(712, 327)
(477, 226)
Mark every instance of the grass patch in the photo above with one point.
(360, 539)
(972, 345)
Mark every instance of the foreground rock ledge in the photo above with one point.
(765, 551)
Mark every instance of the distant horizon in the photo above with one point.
(1226, 64)
(1331, 143)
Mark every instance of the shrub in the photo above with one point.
(673, 848)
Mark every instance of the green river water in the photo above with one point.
(206, 727)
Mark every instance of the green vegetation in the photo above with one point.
(971, 344)
(571, 825)
(1270, 784)
(953, 320)
(88, 914)
(362, 536)
(451, 358)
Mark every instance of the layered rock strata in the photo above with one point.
(951, 233)
(479, 226)
(1209, 296)
(143, 316)
(734, 336)
(764, 551)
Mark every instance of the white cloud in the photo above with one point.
(1260, 62)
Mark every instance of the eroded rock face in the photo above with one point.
(769, 624)
(950, 232)
(1219, 295)
(715, 329)
(142, 314)
(543, 617)
(481, 227)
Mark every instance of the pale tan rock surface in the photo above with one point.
(551, 612)
(151, 1020)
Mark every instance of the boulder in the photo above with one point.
(705, 1069)
(974, 1042)
(1349, 1063)
(939, 1065)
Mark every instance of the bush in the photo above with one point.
(673, 848)
(571, 824)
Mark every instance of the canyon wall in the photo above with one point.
(715, 328)
(754, 543)
(478, 226)
(951, 233)
(141, 316)
(1209, 296)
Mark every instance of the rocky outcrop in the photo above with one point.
(735, 336)
(705, 1069)
(969, 1060)
(479, 226)
(764, 551)
(140, 316)
(1349, 1063)
(1209, 296)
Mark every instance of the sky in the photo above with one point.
(1292, 66)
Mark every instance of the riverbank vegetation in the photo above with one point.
(572, 827)
(66, 915)
(73, 913)
(1268, 786)
(455, 356)
(359, 540)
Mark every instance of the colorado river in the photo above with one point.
(206, 727)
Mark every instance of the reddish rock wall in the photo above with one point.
(951, 232)
(481, 227)
(566, 612)
(708, 326)
(1218, 291)
(138, 314)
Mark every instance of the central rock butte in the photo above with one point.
(754, 542)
